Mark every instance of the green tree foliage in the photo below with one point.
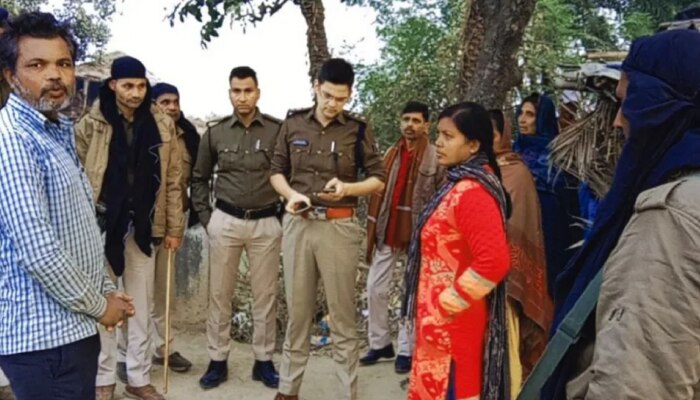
(657, 11)
(247, 12)
(418, 62)
(89, 19)
(562, 32)
(613, 24)
(213, 13)
(636, 24)
(594, 30)
(552, 39)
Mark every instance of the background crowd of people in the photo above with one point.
(92, 212)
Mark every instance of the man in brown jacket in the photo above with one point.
(133, 160)
(645, 343)
(412, 178)
(167, 98)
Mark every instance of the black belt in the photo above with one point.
(249, 213)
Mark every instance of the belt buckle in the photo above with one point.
(320, 213)
(247, 214)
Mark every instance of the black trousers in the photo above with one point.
(63, 373)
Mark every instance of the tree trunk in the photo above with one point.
(316, 41)
(493, 33)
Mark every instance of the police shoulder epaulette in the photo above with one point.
(214, 122)
(356, 116)
(295, 111)
(271, 118)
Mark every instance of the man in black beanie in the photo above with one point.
(134, 162)
(167, 98)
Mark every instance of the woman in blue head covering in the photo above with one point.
(646, 238)
(537, 127)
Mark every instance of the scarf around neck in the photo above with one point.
(116, 192)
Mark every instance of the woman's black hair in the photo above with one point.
(533, 99)
(474, 122)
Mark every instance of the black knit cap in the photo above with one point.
(163, 88)
(4, 14)
(128, 67)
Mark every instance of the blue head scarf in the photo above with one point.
(534, 149)
(663, 109)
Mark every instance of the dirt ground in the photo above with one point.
(378, 382)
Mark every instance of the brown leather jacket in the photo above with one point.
(186, 176)
(93, 135)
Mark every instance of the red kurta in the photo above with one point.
(464, 252)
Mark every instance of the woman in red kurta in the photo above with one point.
(457, 260)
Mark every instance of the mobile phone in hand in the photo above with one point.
(300, 207)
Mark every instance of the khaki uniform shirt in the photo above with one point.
(310, 155)
(243, 157)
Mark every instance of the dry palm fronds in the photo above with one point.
(606, 56)
(589, 149)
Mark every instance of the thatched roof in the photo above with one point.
(591, 76)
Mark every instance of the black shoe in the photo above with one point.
(121, 373)
(176, 362)
(402, 365)
(264, 371)
(373, 356)
(217, 373)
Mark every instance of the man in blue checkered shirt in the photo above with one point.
(53, 287)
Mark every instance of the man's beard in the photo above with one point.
(44, 104)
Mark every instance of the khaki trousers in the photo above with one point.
(138, 282)
(378, 287)
(158, 311)
(107, 361)
(132, 344)
(329, 250)
(228, 237)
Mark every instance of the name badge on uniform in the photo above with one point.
(300, 143)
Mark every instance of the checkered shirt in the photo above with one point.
(52, 275)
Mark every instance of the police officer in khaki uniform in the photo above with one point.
(245, 217)
(319, 153)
